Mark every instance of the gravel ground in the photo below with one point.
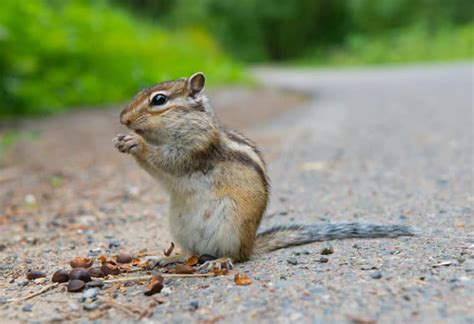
(389, 145)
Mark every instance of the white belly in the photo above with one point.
(199, 222)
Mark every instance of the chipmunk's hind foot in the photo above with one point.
(163, 261)
(218, 264)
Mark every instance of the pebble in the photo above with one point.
(327, 250)
(292, 260)
(73, 306)
(166, 291)
(27, 308)
(91, 306)
(376, 275)
(89, 293)
(22, 282)
(194, 305)
(114, 243)
(323, 260)
(94, 252)
(3, 300)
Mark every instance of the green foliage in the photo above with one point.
(259, 30)
(413, 44)
(56, 54)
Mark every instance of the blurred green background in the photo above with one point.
(58, 54)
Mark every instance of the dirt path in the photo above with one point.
(391, 145)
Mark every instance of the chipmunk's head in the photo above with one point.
(170, 110)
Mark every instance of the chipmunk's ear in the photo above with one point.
(196, 83)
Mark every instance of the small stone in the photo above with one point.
(292, 260)
(114, 243)
(194, 305)
(323, 260)
(22, 282)
(27, 308)
(90, 293)
(73, 306)
(30, 199)
(376, 275)
(133, 192)
(327, 250)
(91, 306)
(3, 300)
(166, 291)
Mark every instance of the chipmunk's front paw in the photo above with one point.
(131, 143)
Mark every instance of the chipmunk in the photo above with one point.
(216, 179)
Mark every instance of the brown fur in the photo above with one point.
(184, 138)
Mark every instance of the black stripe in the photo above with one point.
(241, 139)
(205, 161)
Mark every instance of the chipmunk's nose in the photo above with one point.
(124, 119)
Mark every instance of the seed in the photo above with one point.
(192, 261)
(75, 285)
(95, 284)
(242, 280)
(124, 258)
(60, 276)
(96, 272)
(79, 274)
(35, 275)
(184, 269)
(109, 268)
(155, 285)
(204, 258)
(81, 262)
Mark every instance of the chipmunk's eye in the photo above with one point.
(158, 100)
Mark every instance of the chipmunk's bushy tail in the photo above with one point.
(281, 236)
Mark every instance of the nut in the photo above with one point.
(155, 285)
(184, 269)
(96, 272)
(242, 280)
(192, 261)
(205, 257)
(60, 276)
(124, 258)
(81, 262)
(75, 285)
(35, 275)
(79, 274)
(108, 268)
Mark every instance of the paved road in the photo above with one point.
(389, 145)
(392, 145)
